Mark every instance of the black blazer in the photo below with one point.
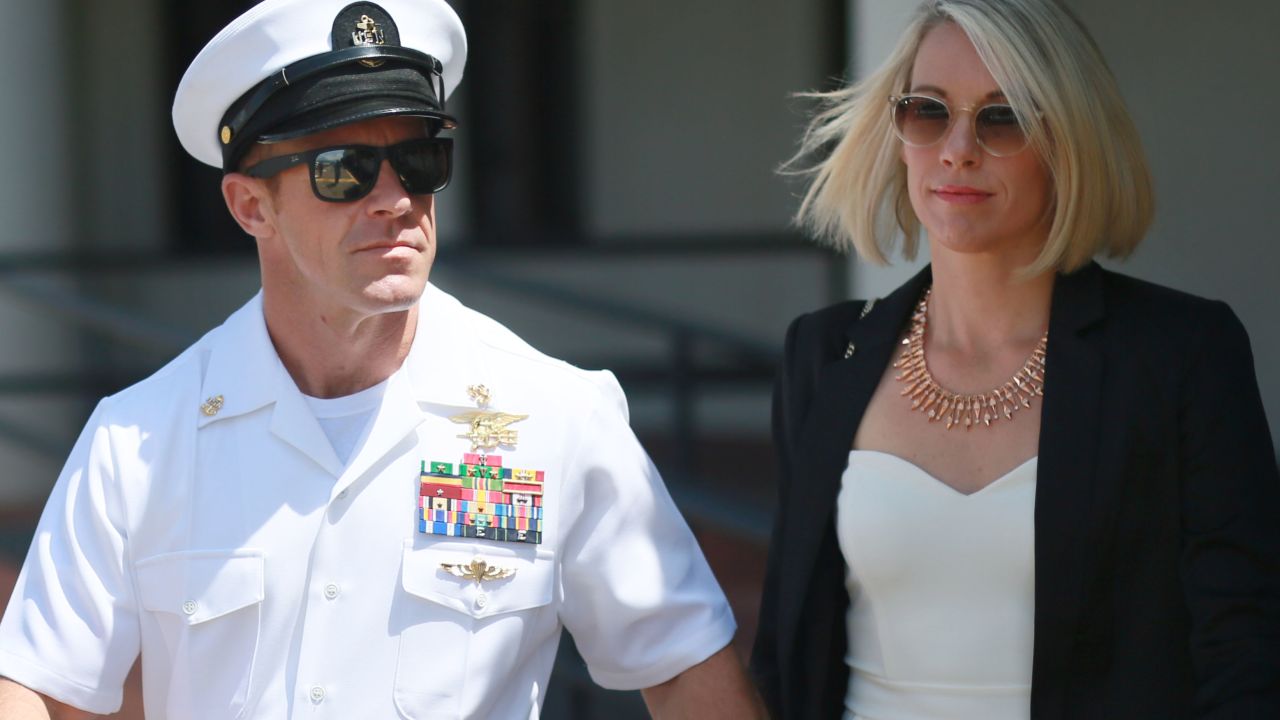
(1157, 511)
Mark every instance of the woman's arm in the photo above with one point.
(1231, 529)
(17, 702)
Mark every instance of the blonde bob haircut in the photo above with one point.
(1064, 95)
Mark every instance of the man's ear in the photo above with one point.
(250, 203)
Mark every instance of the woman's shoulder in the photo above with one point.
(1129, 293)
(832, 318)
(831, 329)
(1165, 332)
(825, 332)
(1145, 307)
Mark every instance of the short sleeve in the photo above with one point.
(638, 596)
(71, 628)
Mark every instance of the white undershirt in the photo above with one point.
(345, 420)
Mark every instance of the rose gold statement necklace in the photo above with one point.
(939, 403)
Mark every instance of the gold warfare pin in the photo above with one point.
(477, 570)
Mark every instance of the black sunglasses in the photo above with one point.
(346, 173)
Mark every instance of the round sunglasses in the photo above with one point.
(346, 173)
(921, 121)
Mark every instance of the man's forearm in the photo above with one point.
(717, 687)
(18, 702)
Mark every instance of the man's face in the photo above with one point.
(351, 259)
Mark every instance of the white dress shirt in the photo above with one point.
(260, 577)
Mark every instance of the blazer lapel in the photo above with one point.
(1070, 496)
(841, 392)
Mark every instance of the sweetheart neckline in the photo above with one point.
(944, 485)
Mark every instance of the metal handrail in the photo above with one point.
(619, 310)
(120, 325)
(104, 319)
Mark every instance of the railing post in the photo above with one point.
(684, 402)
(839, 278)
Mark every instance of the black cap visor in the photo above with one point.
(342, 95)
(335, 101)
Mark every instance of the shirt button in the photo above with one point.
(317, 694)
(482, 600)
(342, 495)
(190, 607)
(331, 591)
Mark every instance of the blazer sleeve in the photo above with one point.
(764, 655)
(1231, 528)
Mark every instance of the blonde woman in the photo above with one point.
(1020, 486)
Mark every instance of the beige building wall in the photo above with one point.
(688, 112)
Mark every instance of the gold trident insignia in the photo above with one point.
(488, 428)
(477, 570)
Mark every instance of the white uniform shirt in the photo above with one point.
(262, 578)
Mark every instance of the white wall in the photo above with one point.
(1199, 79)
(875, 26)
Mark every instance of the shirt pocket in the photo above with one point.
(466, 631)
(207, 606)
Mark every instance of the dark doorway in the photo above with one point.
(521, 95)
(203, 224)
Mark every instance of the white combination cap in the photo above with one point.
(288, 68)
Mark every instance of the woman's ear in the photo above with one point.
(250, 202)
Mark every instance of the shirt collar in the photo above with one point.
(445, 358)
(455, 349)
(245, 371)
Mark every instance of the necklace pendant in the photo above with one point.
(975, 410)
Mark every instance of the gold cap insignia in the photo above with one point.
(368, 34)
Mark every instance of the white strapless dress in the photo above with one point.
(942, 588)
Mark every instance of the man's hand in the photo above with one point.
(18, 702)
(714, 688)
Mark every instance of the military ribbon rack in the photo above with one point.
(478, 498)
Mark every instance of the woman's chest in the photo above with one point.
(966, 458)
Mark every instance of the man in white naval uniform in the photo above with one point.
(356, 498)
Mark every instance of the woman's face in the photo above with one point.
(968, 200)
